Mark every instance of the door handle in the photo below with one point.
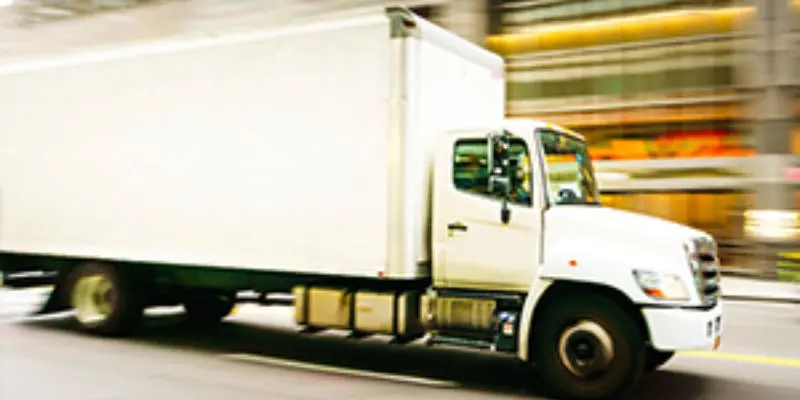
(456, 226)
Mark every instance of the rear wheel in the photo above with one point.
(205, 308)
(104, 299)
(588, 347)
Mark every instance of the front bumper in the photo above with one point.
(684, 328)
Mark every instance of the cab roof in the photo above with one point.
(522, 124)
(531, 124)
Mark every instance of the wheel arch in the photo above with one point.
(549, 293)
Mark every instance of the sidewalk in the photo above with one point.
(749, 289)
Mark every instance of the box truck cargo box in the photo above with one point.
(300, 149)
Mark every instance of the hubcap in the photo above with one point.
(91, 299)
(586, 349)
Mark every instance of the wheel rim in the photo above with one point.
(92, 299)
(586, 349)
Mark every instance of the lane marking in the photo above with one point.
(753, 359)
(340, 370)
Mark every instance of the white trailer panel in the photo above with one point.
(247, 151)
(268, 150)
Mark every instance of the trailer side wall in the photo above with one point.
(259, 151)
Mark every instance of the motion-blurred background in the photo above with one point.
(691, 107)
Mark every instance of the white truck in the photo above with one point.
(362, 165)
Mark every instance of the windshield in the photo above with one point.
(569, 169)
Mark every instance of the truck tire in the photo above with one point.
(588, 347)
(105, 300)
(656, 359)
(206, 308)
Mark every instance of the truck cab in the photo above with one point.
(603, 294)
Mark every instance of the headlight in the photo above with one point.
(661, 286)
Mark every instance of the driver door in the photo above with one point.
(475, 249)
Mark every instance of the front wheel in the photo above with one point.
(587, 347)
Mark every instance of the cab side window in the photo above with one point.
(471, 169)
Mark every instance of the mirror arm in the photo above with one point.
(505, 212)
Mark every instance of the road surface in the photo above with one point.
(256, 354)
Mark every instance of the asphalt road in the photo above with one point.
(256, 354)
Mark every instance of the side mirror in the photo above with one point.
(499, 164)
(501, 171)
(499, 144)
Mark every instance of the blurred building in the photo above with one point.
(658, 87)
(663, 91)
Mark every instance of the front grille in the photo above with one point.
(704, 262)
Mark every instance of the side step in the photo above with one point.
(459, 342)
(357, 335)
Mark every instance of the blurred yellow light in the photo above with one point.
(681, 23)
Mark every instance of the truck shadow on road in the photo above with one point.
(470, 370)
